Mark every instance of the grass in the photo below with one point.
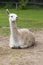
(27, 18)
(4, 32)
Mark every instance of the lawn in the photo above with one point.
(31, 56)
(27, 18)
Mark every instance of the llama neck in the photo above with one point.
(13, 29)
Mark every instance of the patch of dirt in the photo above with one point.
(30, 56)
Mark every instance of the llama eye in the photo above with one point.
(11, 16)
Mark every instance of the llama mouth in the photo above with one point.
(13, 21)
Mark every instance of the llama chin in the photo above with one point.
(19, 38)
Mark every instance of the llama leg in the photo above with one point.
(23, 47)
(15, 47)
(27, 46)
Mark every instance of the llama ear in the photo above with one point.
(7, 11)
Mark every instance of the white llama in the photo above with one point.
(19, 38)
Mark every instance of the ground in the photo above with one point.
(30, 56)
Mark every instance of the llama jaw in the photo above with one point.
(13, 21)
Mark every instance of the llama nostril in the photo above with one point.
(16, 18)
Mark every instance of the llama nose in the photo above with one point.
(16, 18)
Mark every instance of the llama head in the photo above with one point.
(12, 16)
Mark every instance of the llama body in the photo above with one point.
(22, 38)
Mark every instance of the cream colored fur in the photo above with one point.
(19, 38)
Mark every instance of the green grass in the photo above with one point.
(4, 32)
(27, 18)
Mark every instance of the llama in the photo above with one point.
(19, 38)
